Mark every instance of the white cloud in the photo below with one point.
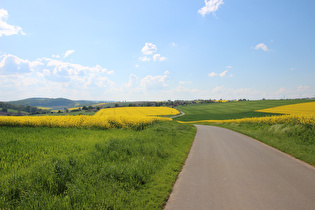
(68, 52)
(173, 44)
(213, 74)
(261, 46)
(144, 58)
(133, 81)
(149, 49)
(12, 65)
(157, 57)
(154, 82)
(34, 76)
(137, 66)
(228, 67)
(5, 28)
(166, 72)
(210, 6)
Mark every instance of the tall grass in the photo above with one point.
(72, 168)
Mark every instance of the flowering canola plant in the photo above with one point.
(103, 119)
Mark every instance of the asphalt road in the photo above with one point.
(228, 170)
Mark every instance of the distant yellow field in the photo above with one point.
(137, 111)
(302, 108)
(124, 117)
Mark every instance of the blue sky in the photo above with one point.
(157, 49)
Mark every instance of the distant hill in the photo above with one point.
(54, 103)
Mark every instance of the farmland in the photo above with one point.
(231, 110)
(128, 117)
(128, 157)
(138, 111)
(293, 133)
(64, 168)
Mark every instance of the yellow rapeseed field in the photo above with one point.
(115, 118)
(302, 108)
(138, 111)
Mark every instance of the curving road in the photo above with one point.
(228, 170)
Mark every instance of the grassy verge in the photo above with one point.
(296, 140)
(69, 168)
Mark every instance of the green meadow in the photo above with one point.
(68, 168)
(231, 110)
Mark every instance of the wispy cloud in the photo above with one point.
(64, 55)
(213, 74)
(68, 52)
(5, 28)
(211, 6)
(144, 58)
(184, 82)
(158, 57)
(132, 82)
(223, 74)
(55, 56)
(261, 46)
(154, 82)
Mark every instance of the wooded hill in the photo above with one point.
(54, 103)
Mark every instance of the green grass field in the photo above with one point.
(231, 110)
(68, 168)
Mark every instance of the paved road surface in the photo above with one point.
(228, 170)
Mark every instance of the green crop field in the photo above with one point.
(231, 110)
(72, 168)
